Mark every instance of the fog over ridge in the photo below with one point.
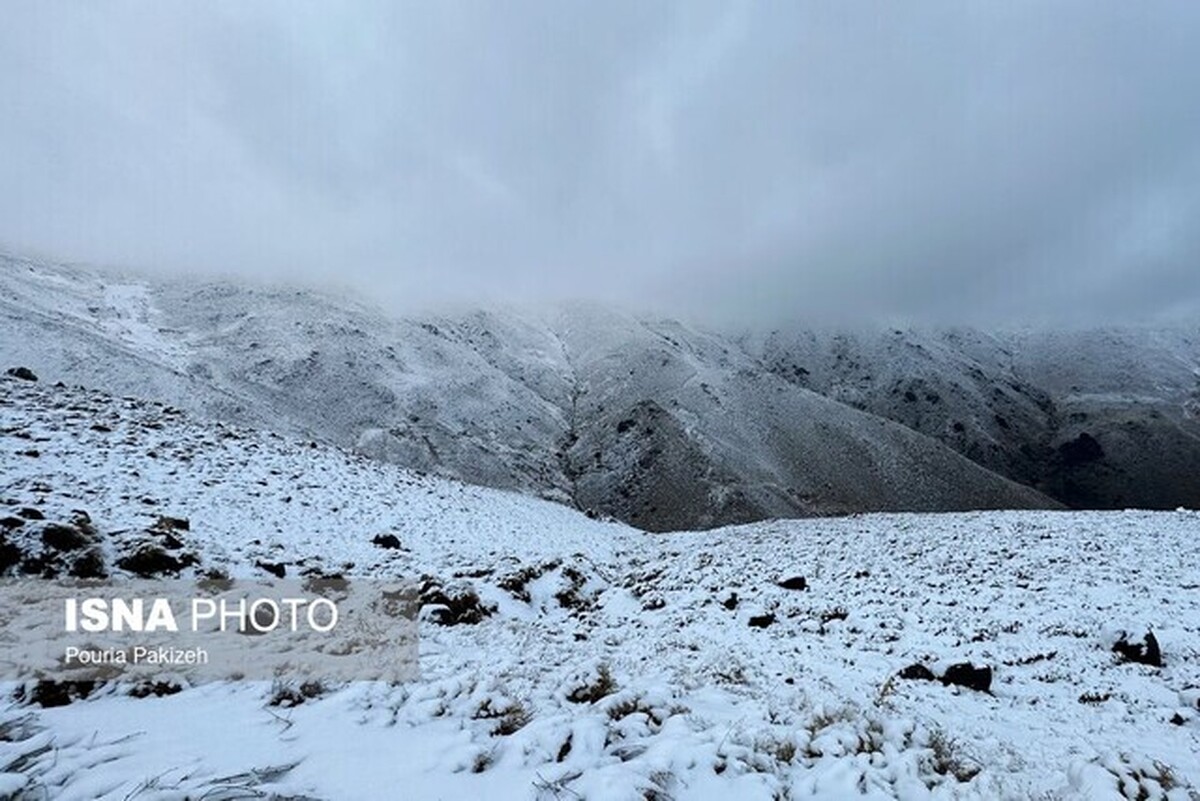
(724, 162)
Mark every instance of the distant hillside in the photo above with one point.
(1103, 418)
(647, 420)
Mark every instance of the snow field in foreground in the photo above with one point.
(606, 662)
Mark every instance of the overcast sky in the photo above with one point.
(972, 161)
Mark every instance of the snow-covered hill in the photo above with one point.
(614, 664)
(657, 423)
(650, 421)
(1099, 418)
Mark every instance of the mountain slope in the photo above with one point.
(671, 413)
(648, 421)
(1101, 418)
(720, 682)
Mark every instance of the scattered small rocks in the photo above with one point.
(52, 548)
(287, 696)
(158, 689)
(832, 615)
(653, 603)
(963, 674)
(1145, 652)
(1094, 697)
(1031, 659)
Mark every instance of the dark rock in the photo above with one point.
(317, 581)
(151, 560)
(831, 615)
(731, 602)
(11, 522)
(62, 537)
(917, 672)
(794, 583)
(762, 621)
(42, 565)
(156, 688)
(83, 521)
(90, 565)
(564, 750)
(1145, 652)
(288, 697)
(48, 692)
(9, 554)
(654, 603)
(964, 674)
(278, 570)
(454, 605)
(29, 513)
(168, 540)
(389, 541)
(168, 523)
(23, 373)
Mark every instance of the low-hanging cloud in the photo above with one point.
(957, 161)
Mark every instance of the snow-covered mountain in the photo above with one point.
(651, 421)
(1097, 418)
(587, 659)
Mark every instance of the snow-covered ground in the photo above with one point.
(616, 664)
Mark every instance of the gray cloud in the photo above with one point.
(981, 161)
